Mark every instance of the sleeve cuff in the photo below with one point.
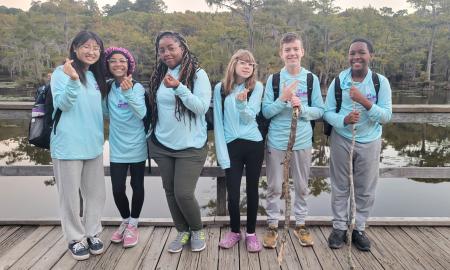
(181, 89)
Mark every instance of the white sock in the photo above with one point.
(250, 234)
(133, 221)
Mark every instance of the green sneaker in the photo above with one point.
(177, 244)
(198, 240)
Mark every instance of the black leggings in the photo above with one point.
(118, 180)
(251, 154)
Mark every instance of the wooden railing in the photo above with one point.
(439, 114)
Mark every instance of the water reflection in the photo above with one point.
(420, 145)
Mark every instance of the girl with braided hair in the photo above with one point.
(180, 93)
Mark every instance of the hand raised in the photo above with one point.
(356, 95)
(170, 81)
(69, 70)
(127, 83)
(242, 96)
(287, 91)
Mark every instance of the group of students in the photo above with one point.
(179, 96)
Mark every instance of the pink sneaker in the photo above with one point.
(130, 236)
(230, 239)
(252, 243)
(117, 236)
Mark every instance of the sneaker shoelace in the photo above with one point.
(181, 237)
(198, 235)
(128, 234)
(95, 240)
(78, 246)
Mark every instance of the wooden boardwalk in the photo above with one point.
(393, 247)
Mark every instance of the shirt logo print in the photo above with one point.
(122, 104)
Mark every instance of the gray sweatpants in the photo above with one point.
(366, 158)
(299, 169)
(88, 177)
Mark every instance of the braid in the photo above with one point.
(188, 68)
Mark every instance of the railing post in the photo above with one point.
(221, 207)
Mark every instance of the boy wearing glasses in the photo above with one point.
(277, 105)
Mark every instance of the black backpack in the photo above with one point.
(146, 118)
(42, 123)
(338, 96)
(276, 93)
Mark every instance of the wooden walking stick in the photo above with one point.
(352, 194)
(285, 194)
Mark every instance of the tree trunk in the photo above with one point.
(430, 52)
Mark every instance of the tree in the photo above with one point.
(120, 7)
(246, 9)
(149, 6)
(434, 11)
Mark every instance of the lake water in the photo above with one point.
(403, 145)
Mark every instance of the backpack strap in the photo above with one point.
(276, 85)
(309, 85)
(338, 93)
(376, 84)
(222, 95)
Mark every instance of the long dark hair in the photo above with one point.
(97, 69)
(189, 66)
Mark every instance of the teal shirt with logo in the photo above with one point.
(79, 133)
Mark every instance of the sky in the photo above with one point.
(200, 5)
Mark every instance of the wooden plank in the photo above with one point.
(445, 231)
(342, 253)
(228, 258)
(324, 254)
(6, 231)
(131, 256)
(381, 251)
(389, 244)
(440, 240)
(53, 255)
(188, 259)
(209, 258)
(15, 253)
(247, 260)
(430, 247)
(420, 118)
(316, 171)
(34, 254)
(267, 256)
(306, 255)
(416, 250)
(14, 239)
(155, 247)
(168, 260)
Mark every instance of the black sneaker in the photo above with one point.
(79, 250)
(360, 240)
(337, 238)
(95, 245)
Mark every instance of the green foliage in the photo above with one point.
(35, 41)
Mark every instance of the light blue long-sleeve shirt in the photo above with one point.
(179, 135)
(369, 126)
(127, 138)
(79, 134)
(280, 112)
(238, 120)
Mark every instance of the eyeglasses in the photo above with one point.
(90, 48)
(170, 49)
(245, 63)
(115, 61)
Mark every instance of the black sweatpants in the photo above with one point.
(251, 154)
(118, 179)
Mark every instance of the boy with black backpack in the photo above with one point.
(357, 103)
(284, 91)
